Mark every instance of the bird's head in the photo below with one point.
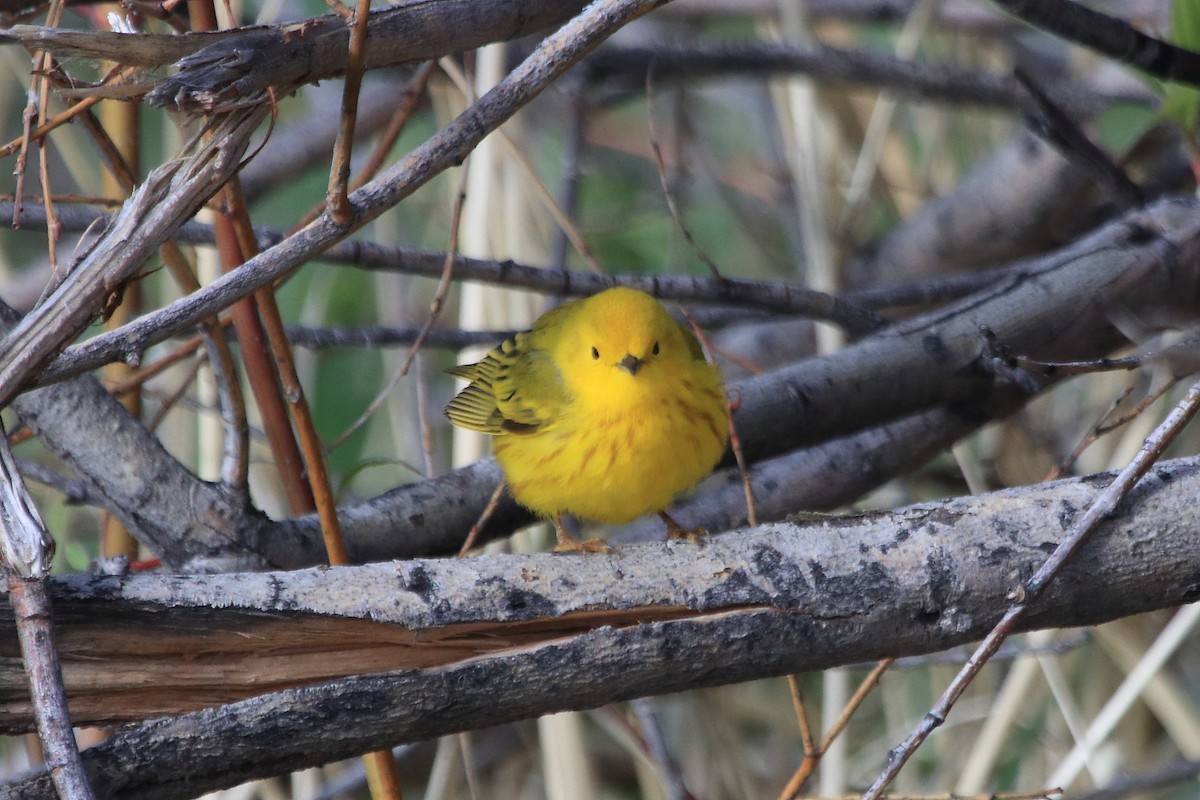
(620, 342)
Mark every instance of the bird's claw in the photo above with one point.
(586, 546)
(675, 532)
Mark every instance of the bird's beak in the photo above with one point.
(630, 363)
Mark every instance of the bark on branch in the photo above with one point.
(480, 641)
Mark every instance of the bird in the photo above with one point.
(606, 409)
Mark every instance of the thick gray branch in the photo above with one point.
(507, 637)
(189, 523)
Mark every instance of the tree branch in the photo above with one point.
(932, 82)
(479, 641)
(1108, 36)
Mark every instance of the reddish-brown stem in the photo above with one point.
(339, 172)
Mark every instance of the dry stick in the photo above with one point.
(336, 198)
(735, 441)
(435, 310)
(317, 338)
(813, 755)
(484, 516)
(1106, 425)
(561, 218)
(43, 104)
(408, 104)
(317, 487)
(28, 133)
(807, 742)
(1142, 405)
(26, 550)
(1024, 596)
(1057, 470)
(669, 195)
(26, 137)
(1181, 351)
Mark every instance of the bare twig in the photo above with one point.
(484, 516)
(435, 310)
(339, 170)
(664, 182)
(812, 754)
(378, 336)
(27, 549)
(399, 120)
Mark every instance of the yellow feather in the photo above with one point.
(605, 409)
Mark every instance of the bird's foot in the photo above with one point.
(569, 544)
(675, 532)
(586, 546)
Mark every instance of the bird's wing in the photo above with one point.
(516, 388)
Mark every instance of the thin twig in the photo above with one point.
(812, 753)
(735, 441)
(435, 310)
(668, 193)
(1092, 435)
(484, 516)
(1106, 425)
(26, 550)
(1026, 595)
(319, 338)
(408, 104)
(339, 170)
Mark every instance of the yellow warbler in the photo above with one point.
(605, 409)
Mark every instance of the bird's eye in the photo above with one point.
(655, 350)
(595, 354)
